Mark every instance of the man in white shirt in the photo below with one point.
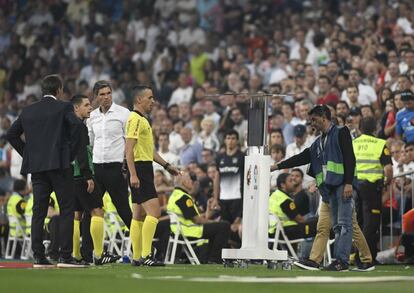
(106, 127)
(302, 141)
(183, 93)
(367, 95)
(165, 153)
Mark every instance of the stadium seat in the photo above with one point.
(179, 238)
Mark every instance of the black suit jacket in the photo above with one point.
(52, 135)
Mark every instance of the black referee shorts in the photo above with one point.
(85, 201)
(146, 189)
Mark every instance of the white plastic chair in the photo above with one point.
(179, 238)
(27, 242)
(12, 241)
(114, 234)
(285, 240)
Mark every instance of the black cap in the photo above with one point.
(299, 130)
(355, 111)
(407, 95)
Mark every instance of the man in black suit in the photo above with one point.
(51, 140)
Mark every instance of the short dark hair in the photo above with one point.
(353, 85)
(77, 99)
(164, 134)
(281, 179)
(231, 132)
(138, 90)
(100, 84)
(343, 102)
(321, 111)
(278, 148)
(19, 185)
(51, 84)
(299, 171)
(368, 125)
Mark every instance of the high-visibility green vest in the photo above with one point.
(76, 168)
(55, 206)
(188, 227)
(368, 150)
(275, 201)
(28, 213)
(14, 199)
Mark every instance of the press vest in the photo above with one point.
(368, 150)
(188, 227)
(327, 155)
(275, 201)
(12, 211)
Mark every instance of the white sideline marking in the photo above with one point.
(293, 280)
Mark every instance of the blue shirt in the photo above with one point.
(191, 153)
(405, 127)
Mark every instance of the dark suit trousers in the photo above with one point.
(60, 181)
(110, 178)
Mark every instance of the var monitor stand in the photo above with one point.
(256, 194)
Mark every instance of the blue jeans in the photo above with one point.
(341, 217)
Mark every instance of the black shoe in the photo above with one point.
(149, 261)
(337, 266)
(82, 262)
(42, 263)
(106, 258)
(70, 263)
(364, 267)
(307, 264)
(136, 263)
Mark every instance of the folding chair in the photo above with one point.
(18, 237)
(115, 233)
(285, 240)
(179, 238)
(27, 242)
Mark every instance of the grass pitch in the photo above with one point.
(119, 278)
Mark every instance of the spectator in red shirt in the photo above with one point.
(325, 95)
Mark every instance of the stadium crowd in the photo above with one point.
(200, 56)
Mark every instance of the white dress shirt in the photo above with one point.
(107, 134)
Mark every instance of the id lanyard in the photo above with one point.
(322, 147)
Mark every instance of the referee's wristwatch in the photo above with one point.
(166, 166)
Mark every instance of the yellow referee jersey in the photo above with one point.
(139, 128)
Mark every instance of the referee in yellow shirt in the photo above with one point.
(140, 154)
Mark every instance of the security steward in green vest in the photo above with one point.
(195, 225)
(283, 206)
(28, 213)
(374, 168)
(16, 205)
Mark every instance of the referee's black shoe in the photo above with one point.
(106, 258)
(42, 263)
(70, 263)
(150, 261)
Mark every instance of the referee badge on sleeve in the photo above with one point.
(292, 206)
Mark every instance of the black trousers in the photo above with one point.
(218, 234)
(60, 181)
(109, 177)
(54, 234)
(368, 205)
(302, 230)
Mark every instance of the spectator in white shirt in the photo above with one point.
(192, 34)
(176, 141)
(207, 137)
(210, 112)
(165, 153)
(301, 142)
(106, 127)
(367, 95)
(183, 93)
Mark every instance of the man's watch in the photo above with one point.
(166, 166)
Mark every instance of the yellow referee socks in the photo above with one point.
(148, 231)
(135, 233)
(97, 234)
(76, 239)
